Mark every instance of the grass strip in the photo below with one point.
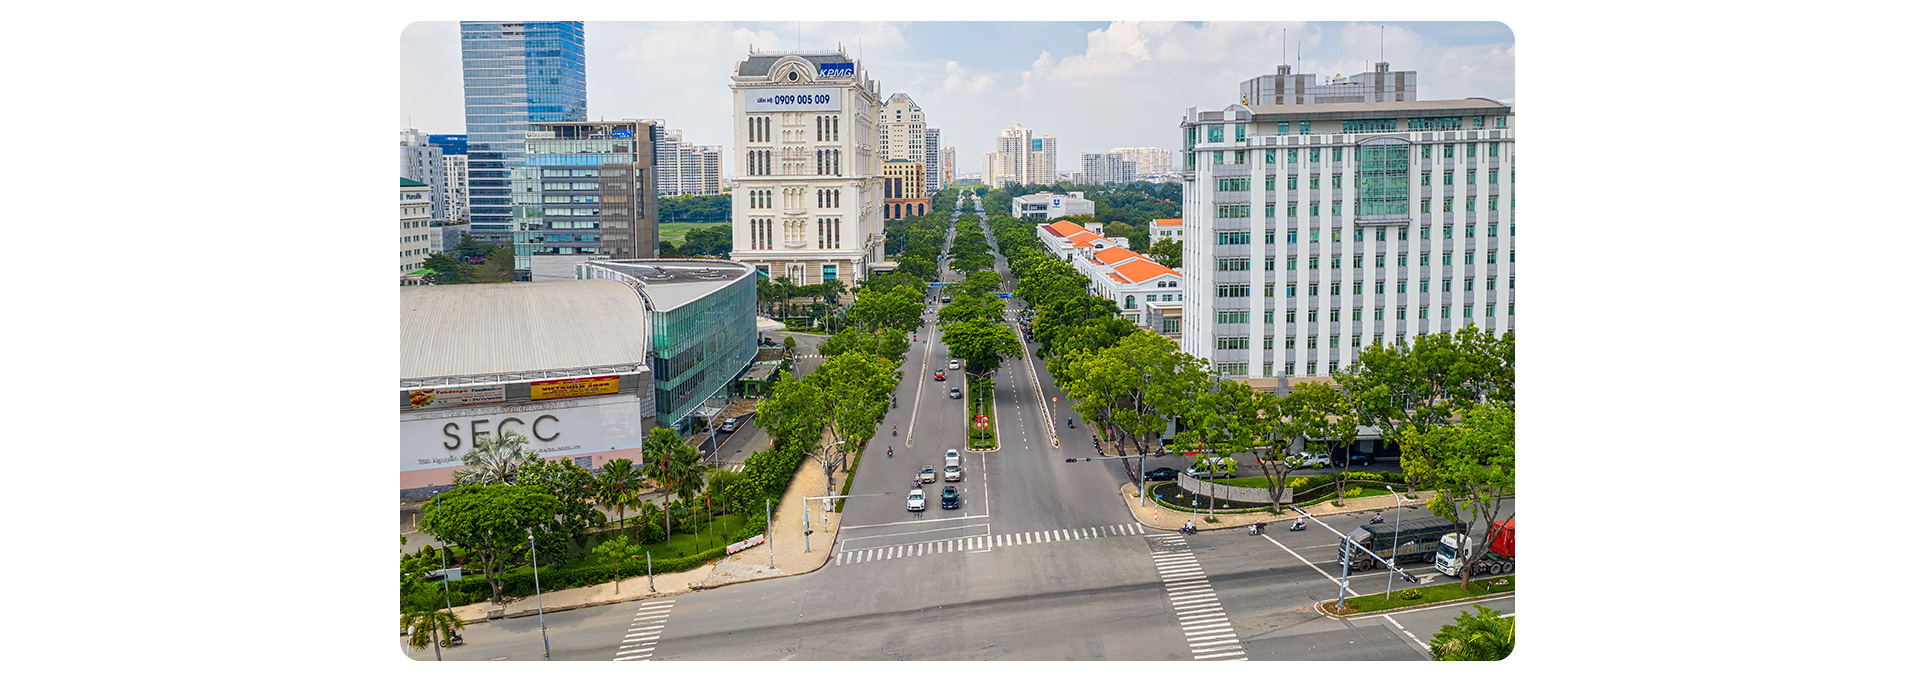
(1447, 588)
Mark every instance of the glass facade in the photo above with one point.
(1383, 177)
(514, 73)
(699, 347)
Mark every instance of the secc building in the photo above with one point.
(582, 369)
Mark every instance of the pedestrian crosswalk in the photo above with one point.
(983, 542)
(1203, 622)
(644, 633)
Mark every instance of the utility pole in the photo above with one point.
(1346, 557)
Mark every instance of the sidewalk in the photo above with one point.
(789, 559)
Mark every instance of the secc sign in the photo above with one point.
(432, 439)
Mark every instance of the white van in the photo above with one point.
(953, 465)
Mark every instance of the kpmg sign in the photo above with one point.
(794, 99)
(839, 69)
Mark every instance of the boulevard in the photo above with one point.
(1042, 561)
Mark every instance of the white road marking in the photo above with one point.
(1301, 559)
(1403, 629)
(1221, 654)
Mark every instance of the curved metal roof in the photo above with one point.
(481, 329)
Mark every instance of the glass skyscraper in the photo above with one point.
(515, 73)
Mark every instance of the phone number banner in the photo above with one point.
(794, 99)
(571, 388)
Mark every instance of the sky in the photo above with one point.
(1093, 86)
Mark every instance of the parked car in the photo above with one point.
(939, 375)
(927, 474)
(1163, 474)
(1354, 458)
(949, 498)
(953, 392)
(916, 500)
(1222, 468)
(1314, 460)
(731, 423)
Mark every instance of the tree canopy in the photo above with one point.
(490, 524)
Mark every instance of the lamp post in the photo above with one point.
(446, 585)
(546, 648)
(808, 523)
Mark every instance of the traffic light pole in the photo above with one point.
(1141, 480)
(807, 522)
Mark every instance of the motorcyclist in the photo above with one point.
(1187, 526)
(896, 430)
(889, 451)
(1376, 517)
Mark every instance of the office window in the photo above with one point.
(1333, 342)
(1426, 206)
(1509, 282)
(1216, 133)
(1490, 256)
(1240, 156)
(1493, 176)
(1313, 316)
(1269, 210)
(1470, 173)
(1359, 235)
(1423, 285)
(1269, 180)
(1336, 157)
(1289, 315)
(1312, 342)
(1313, 209)
(1447, 152)
(1380, 235)
(1424, 260)
(1313, 182)
(1469, 284)
(1469, 231)
(1472, 146)
(1291, 261)
(1426, 152)
(1289, 341)
(1283, 127)
(1293, 209)
(1293, 182)
(1446, 311)
(1379, 313)
(1311, 366)
(1313, 155)
(1269, 264)
(1293, 236)
(1425, 232)
(1356, 341)
(1446, 178)
(1336, 315)
(1219, 158)
(1446, 258)
(1493, 149)
(1490, 282)
(1269, 160)
(1446, 232)
(1380, 286)
(1293, 156)
(1239, 132)
(1380, 260)
(1336, 212)
(1426, 178)
(1423, 312)
(1335, 287)
(1269, 232)
(1400, 313)
(1400, 287)
(1304, 128)
(1289, 369)
(1313, 263)
(1446, 204)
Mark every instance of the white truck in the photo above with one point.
(1455, 548)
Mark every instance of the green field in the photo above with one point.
(677, 232)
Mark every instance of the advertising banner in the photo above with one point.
(575, 427)
(462, 396)
(794, 99)
(574, 388)
(836, 70)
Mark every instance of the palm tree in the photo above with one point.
(1481, 636)
(426, 625)
(494, 459)
(619, 484)
(674, 465)
(783, 290)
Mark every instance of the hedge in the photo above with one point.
(519, 583)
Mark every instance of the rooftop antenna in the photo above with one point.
(1383, 42)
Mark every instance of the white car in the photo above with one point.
(953, 473)
(1313, 460)
(916, 501)
(953, 365)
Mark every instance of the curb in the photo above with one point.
(1321, 606)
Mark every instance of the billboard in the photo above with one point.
(794, 99)
(836, 70)
(575, 427)
(570, 388)
(460, 396)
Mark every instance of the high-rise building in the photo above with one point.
(1020, 156)
(584, 192)
(808, 198)
(703, 169)
(931, 154)
(1320, 229)
(416, 215)
(949, 160)
(453, 155)
(514, 73)
(902, 188)
(1148, 161)
(1287, 87)
(424, 162)
(681, 168)
(903, 129)
(1097, 169)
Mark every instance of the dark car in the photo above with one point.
(1163, 474)
(949, 498)
(1355, 458)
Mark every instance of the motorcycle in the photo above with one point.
(1376, 518)
(1069, 423)
(1189, 529)
(1256, 528)
(896, 431)
(889, 451)
(1297, 525)
(456, 639)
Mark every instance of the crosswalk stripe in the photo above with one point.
(1215, 646)
(1210, 623)
(1219, 654)
(1208, 633)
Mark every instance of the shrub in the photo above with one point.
(1354, 492)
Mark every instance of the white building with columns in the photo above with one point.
(807, 196)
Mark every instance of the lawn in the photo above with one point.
(1445, 588)
(686, 541)
(977, 400)
(677, 232)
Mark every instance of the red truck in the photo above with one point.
(1456, 547)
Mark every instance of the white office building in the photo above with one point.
(1323, 228)
(1148, 161)
(456, 173)
(1100, 169)
(807, 198)
(423, 161)
(416, 237)
(1050, 206)
(933, 161)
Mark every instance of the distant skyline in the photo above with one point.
(1091, 85)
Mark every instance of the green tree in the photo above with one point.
(1133, 387)
(1324, 415)
(1405, 390)
(427, 625)
(619, 485)
(971, 307)
(1479, 636)
(667, 250)
(843, 401)
(982, 284)
(897, 308)
(983, 344)
(494, 459)
(448, 269)
(1470, 467)
(715, 241)
(490, 524)
(1166, 251)
(1229, 418)
(573, 487)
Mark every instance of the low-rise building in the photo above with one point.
(1168, 229)
(1050, 206)
(1147, 293)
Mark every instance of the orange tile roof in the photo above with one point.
(1082, 239)
(1166, 221)
(1113, 255)
(1142, 270)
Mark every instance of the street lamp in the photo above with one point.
(446, 585)
(1394, 556)
(546, 648)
